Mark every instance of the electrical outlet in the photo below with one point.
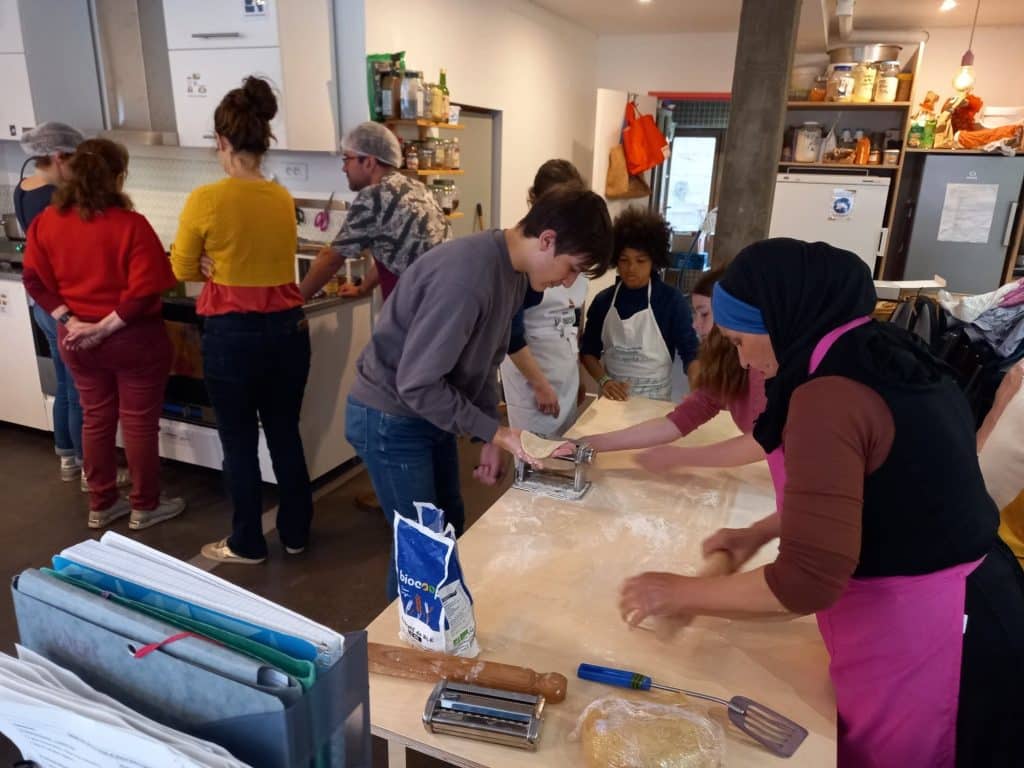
(296, 171)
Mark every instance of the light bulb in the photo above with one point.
(947, 5)
(964, 79)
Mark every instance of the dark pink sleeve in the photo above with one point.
(699, 407)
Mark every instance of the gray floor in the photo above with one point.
(339, 581)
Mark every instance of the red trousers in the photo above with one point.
(122, 377)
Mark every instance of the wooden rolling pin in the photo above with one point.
(414, 664)
(718, 563)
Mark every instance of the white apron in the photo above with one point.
(552, 338)
(635, 352)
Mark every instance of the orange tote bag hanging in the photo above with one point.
(644, 144)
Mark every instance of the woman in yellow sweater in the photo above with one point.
(255, 338)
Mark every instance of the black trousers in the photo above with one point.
(990, 716)
(255, 367)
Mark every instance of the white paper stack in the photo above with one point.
(58, 721)
(126, 559)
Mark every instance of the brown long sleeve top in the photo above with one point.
(838, 432)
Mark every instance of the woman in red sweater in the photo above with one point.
(98, 268)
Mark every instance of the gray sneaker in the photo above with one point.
(165, 510)
(124, 479)
(101, 518)
(70, 468)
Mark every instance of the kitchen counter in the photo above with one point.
(545, 577)
(12, 276)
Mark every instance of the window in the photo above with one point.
(689, 190)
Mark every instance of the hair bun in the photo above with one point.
(261, 97)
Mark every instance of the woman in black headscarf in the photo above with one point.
(886, 531)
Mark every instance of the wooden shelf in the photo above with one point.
(844, 105)
(432, 172)
(456, 215)
(920, 151)
(425, 124)
(839, 166)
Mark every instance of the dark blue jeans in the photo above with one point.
(255, 366)
(67, 410)
(409, 460)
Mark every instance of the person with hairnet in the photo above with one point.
(394, 217)
(50, 146)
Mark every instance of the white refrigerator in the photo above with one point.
(842, 210)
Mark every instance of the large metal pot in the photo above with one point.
(12, 227)
(852, 54)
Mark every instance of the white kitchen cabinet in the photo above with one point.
(10, 28)
(16, 111)
(195, 24)
(22, 401)
(200, 78)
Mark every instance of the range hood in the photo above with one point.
(134, 71)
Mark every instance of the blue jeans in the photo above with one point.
(409, 460)
(255, 366)
(67, 410)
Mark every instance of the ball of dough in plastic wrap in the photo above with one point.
(618, 733)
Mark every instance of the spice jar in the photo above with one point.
(807, 146)
(887, 82)
(390, 85)
(443, 193)
(412, 158)
(454, 155)
(864, 76)
(412, 95)
(440, 154)
(840, 83)
(455, 195)
(819, 90)
(426, 156)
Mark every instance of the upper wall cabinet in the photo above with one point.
(220, 23)
(201, 78)
(213, 46)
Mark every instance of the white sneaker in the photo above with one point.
(100, 518)
(124, 479)
(165, 510)
(70, 468)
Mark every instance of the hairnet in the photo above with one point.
(374, 140)
(51, 138)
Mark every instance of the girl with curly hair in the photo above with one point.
(636, 328)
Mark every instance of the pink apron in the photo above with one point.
(895, 645)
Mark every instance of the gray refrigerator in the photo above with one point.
(964, 220)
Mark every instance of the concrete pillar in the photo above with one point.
(757, 113)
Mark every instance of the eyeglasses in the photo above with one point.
(346, 158)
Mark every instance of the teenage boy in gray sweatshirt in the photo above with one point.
(429, 373)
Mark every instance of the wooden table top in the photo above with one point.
(545, 578)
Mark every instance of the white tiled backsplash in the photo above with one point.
(160, 179)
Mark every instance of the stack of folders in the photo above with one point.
(199, 654)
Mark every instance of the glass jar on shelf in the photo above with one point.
(864, 76)
(455, 155)
(412, 158)
(840, 83)
(443, 190)
(412, 95)
(887, 82)
(454, 191)
(807, 143)
(440, 153)
(426, 155)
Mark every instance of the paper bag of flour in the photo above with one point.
(435, 608)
